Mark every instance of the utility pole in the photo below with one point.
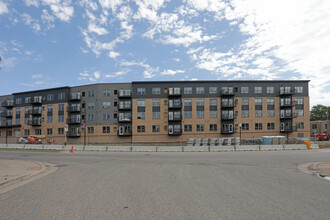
(240, 134)
(6, 131)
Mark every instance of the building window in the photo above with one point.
(106, 116)
(91, 93)
(91, 105)
(200, 102)
(244, 89)
(155, 115)
(187, 102)
(9, 133)
(60, 131)
(300, 135)
(106, 104)
(141, 91)
(18, 101)
(141, 129)
(141, 103)
(156, 91)
(61, 96)
(213, 102)
(270, 113)
(106, 129)
(314, 126)
(300, 112)
(156, 128)
(257, 89)
(49, 119)
(61, 118)
(106, 92)
(258, 126)
(187, 90)
(90, 130)
(199, 90)
(60, 107)
(298, 89)
(188, 128)
(270, 89)
(90, 117)
(50, 97)
(299, 101)
(27, 100)
(213, 90)
(200, 114)
(141, 115)
(300, 125)
(50, 109)
(213, 127)
(49, 131)
(213, 114)
(245, 126)
(26, 132)
(258, 113)
(156, 103)
(245, 108)
(200, 127)
(187, 114)
(270, 126)
(37, 131)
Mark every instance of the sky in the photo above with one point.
(53, 43)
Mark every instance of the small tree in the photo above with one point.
(319, 112)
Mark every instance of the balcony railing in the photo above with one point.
(124, 133)
(37, 100)
(174, 105)
(228, 117)
(289, 115)
(288, 129)
(228, 105)
(284, 91)
(175, 118)
(36, 111)
(124, 93)
(75, 97)
(74, 109)
(7, 114)
(174, 92)
(123, 107)
(228, 92)
(36, 122)
(175, 132)
(73, 134)
(73, 121)
(124, 119)
(227, 131)
(8, 104)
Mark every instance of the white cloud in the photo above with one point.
(9, 62)
(95, 29)
(89, 4)
(149, 71)
(34, 3)
(47, 19)
(85, 75)
(37, 76)
(171, 72)
(113, 54)
(3, 8)
(176, 59)
(110, 4)
(33, 23)
(97, 74)
(116, 74)
(60, 8)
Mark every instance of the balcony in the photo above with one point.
(228, 105)
(227, 92)
(73, 134)
(175, 132)
(174, 117)
(73, 120)
(74, 109)
(75, 97)
(7, 114)
(124, 119)
(36, 122)
(37, 101)
(36, 111)
(288, 129)
(8, 104)
(124, 133)
(286, 92)
(227, 131)
(123, 107)
(228, 117)
(174, 105)
(124, 94)
(174, 92)
(288, 115)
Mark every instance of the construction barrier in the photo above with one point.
(3, 145)
(196, 149)
(53, 147)
(95, 148)
(119, 148)
(169, 149)
(271, 147)
(315, 146)
(295, 147)
(144, 149)
(222, 148)
(247, 147)
(15, 146)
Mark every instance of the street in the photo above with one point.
(224, 185)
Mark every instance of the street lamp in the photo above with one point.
(240, 133)
(6, 131)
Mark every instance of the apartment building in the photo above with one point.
(319, 127)
(159, 111)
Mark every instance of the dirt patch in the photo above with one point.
(324, 144)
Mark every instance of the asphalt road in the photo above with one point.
(228, 185)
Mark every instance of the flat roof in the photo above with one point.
(41, 90)
(216, 81)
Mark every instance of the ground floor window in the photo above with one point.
(188, 128)
(258, 126)
(200, 127)
(37, 131)
(90, 130)
(245, 126)
(156, 128)
(213, 127)
(49, 131)
(106, 129)
(270, 126)
(26, 132)
(141, 129)
(60, 131)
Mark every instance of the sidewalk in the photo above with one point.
(14, 173)
(320, 169)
